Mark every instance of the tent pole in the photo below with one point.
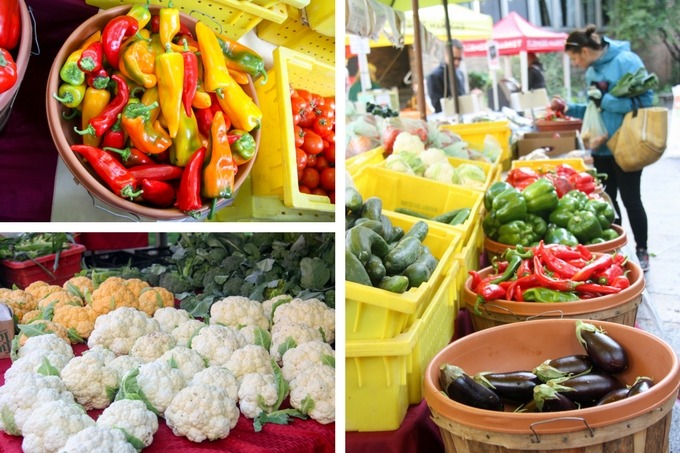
(418, 51)
(524, 70)
(449, 55)
(567, 75)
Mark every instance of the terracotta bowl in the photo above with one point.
(620, 307)
(21, 55)
(523, 346)
(64, 135)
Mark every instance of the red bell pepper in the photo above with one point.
(190, 78)
(585, 182)
(157, 172)
(10, 24)
(115, 31)
(561, 183)
(114, 174)
(521, 177)
(8, 71)
(114, 137)
(158, 193)
(108, 117)
(189, 194)
(98, 79)
(565, 170)
(92, 58)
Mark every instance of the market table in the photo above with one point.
(302, 436)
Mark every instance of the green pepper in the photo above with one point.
(540, 196)
(559, 235)
(70, 95)
(604, 211)
(514, 257)
(609, 234)
(579, 196)
(187, 140)
(70, 72)
(516, 232)
(490, 225)
(509, 205)
(538, 226)
(493, 190)
(244, 147)
(597, 240)
(564, 210)
(241, 58)
(585, 226)
(539, 294)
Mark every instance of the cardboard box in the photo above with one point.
(6, 331)
(561, 142)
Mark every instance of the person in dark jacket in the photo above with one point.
(606, 61)
(536, 77)
(438, 80)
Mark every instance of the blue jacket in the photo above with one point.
(614, 63)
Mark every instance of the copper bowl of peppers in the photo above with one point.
(155, 113)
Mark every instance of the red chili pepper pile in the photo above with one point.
(314, 130)
(10, 31)
(565, 178)
(565, 271)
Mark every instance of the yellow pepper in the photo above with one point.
(93, 103)
(239, 107)
(149, 97)
(70, 96)
(220, 170)
(70, 72)
(94, 37)
(187, 141)
(138, 63)
(141, 13)
(201, 98)
(169, 26)
(170, 74)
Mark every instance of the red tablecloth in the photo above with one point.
(302, 436)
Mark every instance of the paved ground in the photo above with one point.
(660, 313)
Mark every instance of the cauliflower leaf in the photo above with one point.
(263, 338)
(281, 417)
(130, 389)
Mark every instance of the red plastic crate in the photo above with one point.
(23, 273)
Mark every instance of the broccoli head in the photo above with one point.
(175, 283)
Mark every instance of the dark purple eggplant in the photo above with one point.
(566, 366)
(528, 407)
(641, 384)
(550, 400)
(462, 388)
(586, 389)
(516, 386)
(605, 352)
(614, 395)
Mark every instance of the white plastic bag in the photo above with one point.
(593, 131)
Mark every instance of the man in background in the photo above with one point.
(438, 85)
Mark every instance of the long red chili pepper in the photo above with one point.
(92, 57)
(158, 193)
(556, 265)
(117, 177)
(157, 172)
(492, 291)
(595, 288)
(190, 79)
(606, 276)
(476, 279)
(204, 119)
(620, 282)
(586, 254)
(525, 268)
(189, 194)
(600, 264)
(115, 31)
(108, 117)
(563, 252)
(552, 283)
(132, 157)
(528, 281)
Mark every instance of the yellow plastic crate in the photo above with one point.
(232, 18)
(547, 165)
(321, 16)
(384, 376)
(475, 134)
(275, 170)
(373, 313)
(431, 198)
(295, 34)
(470, 255)
(355, 164)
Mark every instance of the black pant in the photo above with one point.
(628, 184)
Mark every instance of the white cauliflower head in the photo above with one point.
(50, 425)
(219, 377)
(217, 343)
(238, 311)
(157, 381)
(35, 361)
(44, 343)
(407, 142)
(132, 416)
(170, 317)
(92, 383)
(99, 439)
(185, 331)
(118, 330)
(250, 359)
(103, 354)
(257, 335)
(151, 346)
(312, 392)
(287, 336)
(267, 305)
(256, 393)
(20, 397)
(306, 355)
(202, 412)
(186, 360)
(432, 156)
(312, 312)
(124, 364)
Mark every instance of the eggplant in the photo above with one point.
(567, 366)
(605, 352)
(461, 388)
(641, 384)
(516, 386)
(550, 400)
(614, 395)
(586, 389)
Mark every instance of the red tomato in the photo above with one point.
(310, 178)
(331, 195)
(311, 160)
(307, 118)
(330, 137)
(327, 111)
(322, 126)
(299, 136)
(319, 191)
(321, 162)
(301, 158)
(330, 102)
(304, 94)
(327, 178)
(313, 144)
(304, 189)
(298, 105)
(329, 153)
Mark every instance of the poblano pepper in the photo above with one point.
(494, 189)
(540, 196)
(559, 235)
(509, 205)
(539, 294)
(516, 232)
(604, 211)
(585, 226)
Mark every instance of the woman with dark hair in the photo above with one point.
(605, 62)
(535, 72)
